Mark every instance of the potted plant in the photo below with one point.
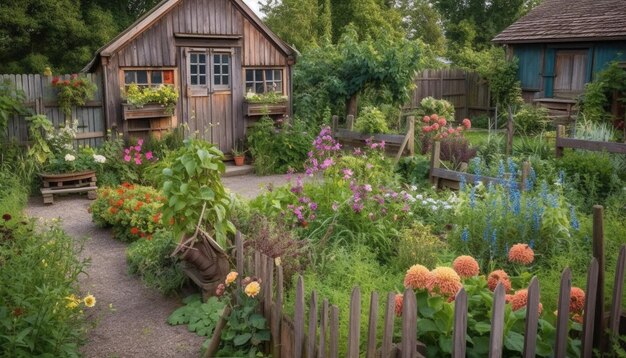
(163, 97)
(75, 91)
(239, 154)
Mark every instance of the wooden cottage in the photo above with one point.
(212, 51)
(562, 44)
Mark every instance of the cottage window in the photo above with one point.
(197, 68)
(148, 78)
(570, 72)
(264, 80)
(221, 71)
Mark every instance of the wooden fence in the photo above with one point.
(465, 90)
(41, 99)
(395, 144)
(446, 178)
(563, 142)
(318, 336)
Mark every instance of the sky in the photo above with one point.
(254, 5)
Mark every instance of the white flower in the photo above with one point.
(413, 188)
(99, 158)
(434, 207)
(69, 157)
(419, 197)
(447, 207)
(424, 202)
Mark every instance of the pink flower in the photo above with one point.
(442, 121)
(149, 155)
(138, 148)
(467, 123)
(426, 129)
(426, 119)
(435, 126)
(127, 151)
(138, 161)
(450, 130)
(347, 173)
(140, 141)
(127, 158)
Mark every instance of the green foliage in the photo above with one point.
(150, 259)
(115, 170)
(431, 105)
(277, 150)
(73, 92)
(165, 95)
(270, 97)
(418, 244)
(422, 21)
(191, 181)
(133, 211)
(200, 317)
(414, 170)
(11, 103)
(42, 266)
(593, 130)
(326, 77)
(371, 121)
(599, 94)
(530, 120)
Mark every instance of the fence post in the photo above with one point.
(560, 133)
(616, 305)
(354, 327)
(350, 122)
(412, 137)
(310, 347)
(459, 342)
(335, 123)
(388, 326)
(278, 314)
(435, 162)
(598, 254)
(590, 309)
(496, 338)
(532, 318)
(321, 349)
(409, 325)
(333, 348)
(298, 321)
(371, 334)
(562, 319)
(525, 174)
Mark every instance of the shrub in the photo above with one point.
(200, 317)
(371, 121)
(133, 211)
(430, 105)
(151, 260)
(456, 150)
(418, 244)
(589, 130)
(413, 170)
(11, 102)
(531, 120)
(276, 150)
(165, 95)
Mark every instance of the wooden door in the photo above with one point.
(207, 103)
(570, 72)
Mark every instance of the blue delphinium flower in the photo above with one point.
(473, 197)
(477, 169)
(516, 201)
(501, 170)
(532, 244)
(561, 179)
(462, 183)
(465, 235)
(552, 200)
(544, 190)
(573, 219)
(512, 168)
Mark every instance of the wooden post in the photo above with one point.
(509, 132)
(412, 138)
(598, 254)
(435, 162)
(525, 174)
(277, 314)
(350, 122)
(496, 338)
(333, 348)
(299, 319)
(310, 346)
(409, 325)
(459, 343)
(335, 123)
(616, 305)
(532, 319)
(590, 309)
(371, 334)
(214, 343)
(321, 349)
(562, 319)
(388, 326)
(560, 133)
(354, 325)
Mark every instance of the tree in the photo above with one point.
(333, 76)
(422, 21)
(295, 21)
(369, 18)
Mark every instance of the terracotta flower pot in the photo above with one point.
(239, 160)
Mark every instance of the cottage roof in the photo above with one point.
(152, 16)
(568, 21)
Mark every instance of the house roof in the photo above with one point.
(152, 16)
(569, 20)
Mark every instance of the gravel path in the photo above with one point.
(135, 323)
(129, 319)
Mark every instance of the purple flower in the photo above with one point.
(367, 188)
(313, 206)
(127, 158)
(357, 152)
(369, 166)
(347, 173)
(357, 207)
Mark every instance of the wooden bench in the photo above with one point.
(48, 193)
(68, 183)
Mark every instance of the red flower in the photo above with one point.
(156, 217)
(467, 123)
(6, 217)
(17, 312)
(113, 210)
(426, 119)
(55, 80)
(576, 300)
(399, 303)
(66, 82)
(134, 231)
(119, 203)
(442, 121)
(304, 223)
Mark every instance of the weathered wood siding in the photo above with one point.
(158, 46)
(41, 99)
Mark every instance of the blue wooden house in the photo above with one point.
(562, 44)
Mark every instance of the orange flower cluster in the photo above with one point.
(417, 277)
(576, 300)
(444, 281)
(466, 266)
(520, 300)
(399, 304)
(496, 277)
(521, 254)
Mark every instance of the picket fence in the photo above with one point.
(318, 337)
(40, 98)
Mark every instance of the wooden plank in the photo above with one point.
(333, 351)
(311, 338)
(497, 323)
(397, 139)
(562, 319)
(611, 147)
(372, 324)
(299, 319)
(354, 325)
(587, 339)
(278, 314)
(469, 178)
(460, 325)
(435, 163)
(321, 350)
(598, 254)
(618, 286)
(239, 255)
(532, 319)
(409, 325)
(390, 312)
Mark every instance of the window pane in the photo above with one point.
(249, 87)
(202, 80)
(278, 75)
(194, 80)
(259, 88)
(279, 86)
(129, 77)
(202, 69)
(193, 70)
(142, 77)
(168, 77)
(258, 75)
(201, 58)
(217, 59)
(225, 69)
(225, 80)
(249, 75)
(157, 77)
(217, 80)
(269, 75)
(216, 69)
(193, 58)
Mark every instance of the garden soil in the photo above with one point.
(129, 319)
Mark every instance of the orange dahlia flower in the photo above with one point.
(521, 254)
(576, 300)
(399, 302)
(417, 277)
(466, 266)
(444, 281)
(520, 300)
(496, 277)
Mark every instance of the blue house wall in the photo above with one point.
(537, 61)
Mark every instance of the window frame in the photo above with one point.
(210, 87)
(282, 90)
(149, 70)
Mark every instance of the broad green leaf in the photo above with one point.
(242, 339)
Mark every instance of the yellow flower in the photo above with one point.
(231, 277)
(253, 289)
(90, 301)
(73, 301)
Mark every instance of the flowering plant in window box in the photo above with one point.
(265, 98)
(164, 95)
